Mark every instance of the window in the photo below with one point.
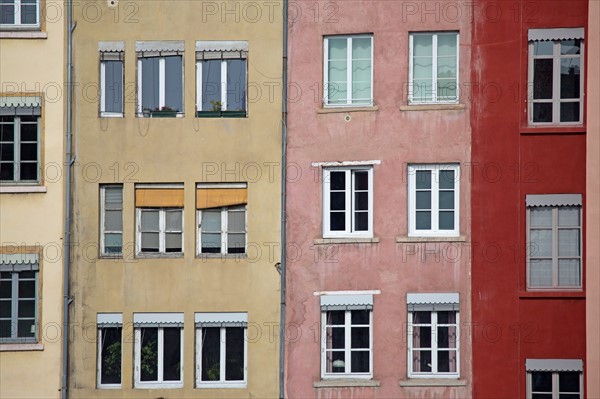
(554, 378)
(18, 298)
(160, 219)
(556, 81)
(433, 199)
(20, 139)
(433, 67)
(554, 241)
(221, 350)
(348, 70)
(348, 202)
(433, 335)
(110, 330)
(222, 218)
(158, 350)
(16, 14)
(221, 78)
(111, 78)
(111, 235)
(160, 78)
(346, 336)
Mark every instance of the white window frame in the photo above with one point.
(435, 181)
(17, 151)
(555, 384)
(104, 113)
(434, 94)
(162, 230)
(103, 230)
(347, 346)
(434, 346)
(138, 383)
(161, 83)
(18, 25)
(99, 359)
(222, 383)
(224, 230)
(223, 84)
(15, 300)
(556, 75)
(555, 244)
(350, 231)
(349, 99)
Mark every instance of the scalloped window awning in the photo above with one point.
(19, 262)
(158, 319)
(111, 51)
(555, 34)
(554, 365)
(20, 105)
(159, 48)
(347, 302)
(109, 319)
(433, 301)
(221, 49)
(553, 200)
(228, 319)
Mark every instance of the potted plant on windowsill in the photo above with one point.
(215, 111)
(162, 112)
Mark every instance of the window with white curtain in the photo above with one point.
(348, 75)
(554, 241)
(433, 67)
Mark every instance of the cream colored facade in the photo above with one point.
(31, 209)
(135, 151)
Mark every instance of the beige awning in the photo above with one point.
(219, 197)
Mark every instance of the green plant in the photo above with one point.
(112, 359)
(216, 105)
(150, 359)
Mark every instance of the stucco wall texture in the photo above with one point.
(396, 138)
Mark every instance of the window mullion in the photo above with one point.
(224, 220)
(18, 19)
(199, 86)
(349, 71)
(555, 390)
(14, 304)
(349, 203)
(347, 343)
(161, 81)
(161, 350)
(162, 226)
(139, 90)
(102, 86)
(434, 63)
(434, 347)
(435, 195)
(17, 149)
(555, 282)
(222, 356)
(556, 82)
(224, 85)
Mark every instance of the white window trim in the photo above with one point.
(434, 94)
(435, 231)
(161, 84)
(221, 383)
(15, 299)
(99, 360)
(103, 113)
(555, 258)
(103, 230)
(349, 213)
(349, 99)
(434, 348)
(160, 352)
(19, 25)
(16, 162)
(555, 379)
(556, 74)
(223, 84)
(224, 230)
(162, 231)
(347, 347)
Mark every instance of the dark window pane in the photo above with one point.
(211, 354)
(361, 221)
(361, 180)
(446, 220)
(149, 354)
(337, 221)
(422, 337)
(359, 337)
(542, 112)
(26, 329)
(569, 112)
(7, 131)
(5, 309)
(544, 396)
(113, 90)
(336, 362)
(542, 79)
(236, 85)
(447, 180)
(150, 83)
(423, 220)
(172, 354)
(173, 83)
(543, 48)
(442, 337)
(422, 361)
(234, 354)
(26, 288)
(423, 179)
(5, 286)
(26, 309)
(335, 317)
(570, 75)
(541, 382)
(7, 13)
(7, 151)
(29, 118)
(360, 317)
(111, 356)
(5, 328)
(28, 12)
(423, 199)
(337, 201)
(422, 318)
(443, 361)
(29, 152)
(569, 396)
(446, 200)
(336, 338)
(7, 171)
(361, 201)
(337, 180)
(29, 171)
(360, 362)
(211, 85)
(29, 131)
(568, 382)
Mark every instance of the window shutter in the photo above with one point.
(147, 197)
(220, 196)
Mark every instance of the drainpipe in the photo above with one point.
(283, 203)
(67, 228)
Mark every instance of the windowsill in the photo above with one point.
(178, 255)
(345, 240)
(221, 256)
(161, 115)
(432, 107)
(23, 35)
(553, 129)
(350, 382)
(337, 110)
(223, 385)
(432, 382)
(21, 347)
(158, 385)
(24, 189)
(111, 115)
(555, 293)
(221, 114)
(430, 239)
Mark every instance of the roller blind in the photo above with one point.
(159, 197)
(216, 197)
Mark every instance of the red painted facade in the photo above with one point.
(510, 161)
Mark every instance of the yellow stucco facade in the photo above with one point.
(32, 93)
(134, 152)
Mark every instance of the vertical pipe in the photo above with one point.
(67, 227)
(283, 203)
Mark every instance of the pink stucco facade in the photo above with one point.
(392, 134)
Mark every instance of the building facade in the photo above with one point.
(32, 129)
(529, 198)
(378, 201)
(177, 193)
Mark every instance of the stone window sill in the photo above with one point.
(221, 256)
(23, 35)
(21, 347)
(406, 239)
(341, 383)
(18, 189)
(349, 240)
(432, 107)
(337, 110)
(432, 382)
